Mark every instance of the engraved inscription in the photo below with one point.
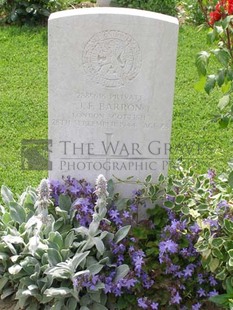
(111, 58)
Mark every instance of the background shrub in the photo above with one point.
(30, 11)
(165, 7)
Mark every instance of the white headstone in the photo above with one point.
(111, 86)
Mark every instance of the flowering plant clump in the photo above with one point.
(219, 18)
(72, 246)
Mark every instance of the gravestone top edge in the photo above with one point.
(114, 11)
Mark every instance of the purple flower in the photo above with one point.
(114, 214)
(212, 280)
(200, 278)
(154, 306)
(211, 174)
(201, 292)
(196, 306)
(176, 299)
(126, 214)
(168, 246)
(188, 271)
(170, 198)
(194, 228)
(213, 293)
(128, 283)
(142, 303)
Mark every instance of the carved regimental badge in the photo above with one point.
(112, 58)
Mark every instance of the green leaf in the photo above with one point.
(121, 203)
(220, 77)
(217, 242)
(222, 56)
(64, 203)
(58, 292)
(214, 263)
(185, 210)
(121, 272)
(230, 179)
(210, 83)
(169, 204)
(230, 253)
(121, 233)
(202, 59)
(17, 213)
(228, 225)
(224, 122)
(221, 275)
(223, 102)
(148, 178)
(200, 85)
(110, 187)
(54, 257)
(220, 299)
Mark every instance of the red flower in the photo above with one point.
(214, 17)
(222, 9)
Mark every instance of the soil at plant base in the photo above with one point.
(7, 304)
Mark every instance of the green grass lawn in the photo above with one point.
(23, 102)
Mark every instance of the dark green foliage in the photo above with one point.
(165, 6)
(32, 12)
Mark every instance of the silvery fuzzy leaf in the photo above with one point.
(84, 308)
(7, 292)
(34, 220)
(99, 245)
(59, 305)
(95, 268)
(2, 209)
(80, 273)
(59, 272)
(6, 194)
(93, 228)
(14, 258)
(69, 240)
(17, 212)
(121, 233)
(3, 256)
(97, 306)
(95, 296)
(58, 292)
(14, 269)
(78, 258)
(71, 304)
(121, 272)
(54, 257)
(3, 282)
(13, 239)
(82, 230)
(33, 244)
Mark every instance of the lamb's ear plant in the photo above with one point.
(44, 259)
(93, 254)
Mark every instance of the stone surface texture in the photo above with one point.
(111, 87)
